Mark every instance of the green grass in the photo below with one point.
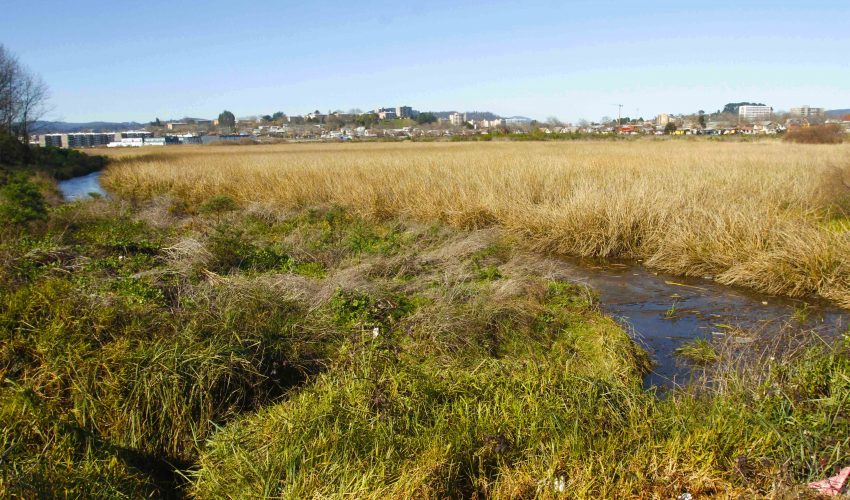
(243, 352)
(699, 352)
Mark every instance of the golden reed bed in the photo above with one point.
(765, 215)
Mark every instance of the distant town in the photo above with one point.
(404, 122)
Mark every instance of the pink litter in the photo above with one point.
(831, 486)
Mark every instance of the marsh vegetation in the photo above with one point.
(767, 216)
(315, 326)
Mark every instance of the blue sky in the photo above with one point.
(569, 59)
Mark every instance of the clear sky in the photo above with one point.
(114, 60)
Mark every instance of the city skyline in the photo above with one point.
(544, 59)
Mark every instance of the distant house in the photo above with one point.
(315, 116)
(767, 127)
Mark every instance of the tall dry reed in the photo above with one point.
(759, 215)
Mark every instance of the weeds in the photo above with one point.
(699, 352)
(673, 310)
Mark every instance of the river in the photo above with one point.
(78, 188)
(662, 311)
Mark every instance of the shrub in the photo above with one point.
(817, 134)
(217, 205)
(21, 201)
(13, 151)
(230, 251)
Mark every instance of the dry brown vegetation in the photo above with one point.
(767, 215)
(817, 134)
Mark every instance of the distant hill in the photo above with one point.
(838, 112)
(47, 127)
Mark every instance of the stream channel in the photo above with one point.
(662, 311)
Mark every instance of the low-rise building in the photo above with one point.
(186, 139)
(208, 139)
(133, 134)
(138, 142)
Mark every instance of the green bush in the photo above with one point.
(217, 205)
(21, 201)
(231, 251)
(13, 151)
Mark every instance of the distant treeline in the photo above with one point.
(732, 107)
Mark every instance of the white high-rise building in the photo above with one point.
(457, 119)
(750, 112)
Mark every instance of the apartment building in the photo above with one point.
(133, 134)
(50, 140)
(78, 140)
(386, 113)
(457, 119)
(405, 112)
(808, 112)
(754, 113)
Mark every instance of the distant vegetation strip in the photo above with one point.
(760, 215)
(57, 163)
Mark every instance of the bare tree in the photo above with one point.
(23, 95)
(31, 102)
(553, 121)
(8, 69)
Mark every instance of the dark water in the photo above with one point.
(643, 300)
(78, 188)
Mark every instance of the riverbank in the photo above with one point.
(266, 352)
(662, 312)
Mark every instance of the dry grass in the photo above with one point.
(750, 214)
(817, 134)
